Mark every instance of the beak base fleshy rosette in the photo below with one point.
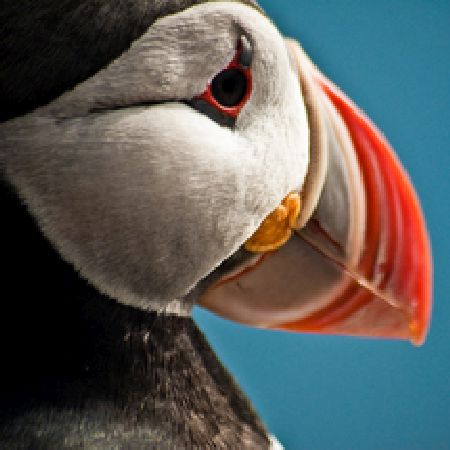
(277, 227)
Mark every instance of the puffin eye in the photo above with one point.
(229, 90)
(229, 87)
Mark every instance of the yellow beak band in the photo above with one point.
(277, 227)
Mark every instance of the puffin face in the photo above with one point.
(212, 162)
(144, 194)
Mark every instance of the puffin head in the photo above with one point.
(210, 161)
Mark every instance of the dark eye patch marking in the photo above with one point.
(229, 90)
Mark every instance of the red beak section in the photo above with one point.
(359, 262)
(389, 293)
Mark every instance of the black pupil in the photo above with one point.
(229, 87)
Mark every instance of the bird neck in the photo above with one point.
(71, 355)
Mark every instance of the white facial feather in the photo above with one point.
(145, 201)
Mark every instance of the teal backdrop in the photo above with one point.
(325, 393)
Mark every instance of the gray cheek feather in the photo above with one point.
(143, 222)
(146, 201)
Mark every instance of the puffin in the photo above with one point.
(159, 155)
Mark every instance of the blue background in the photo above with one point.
(319, 392)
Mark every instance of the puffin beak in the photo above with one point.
(349, 254)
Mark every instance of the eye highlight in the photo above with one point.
(230, 89)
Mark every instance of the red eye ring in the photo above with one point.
(237, 64)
